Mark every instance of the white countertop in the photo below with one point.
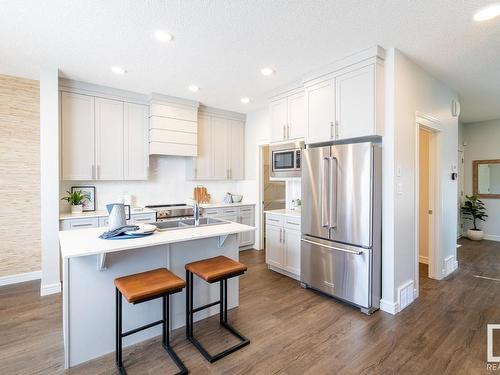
(284, 212)
(217, 205)
(83, 242)
(101, 213)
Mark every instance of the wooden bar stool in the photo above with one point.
(142, 287)
(211, 270)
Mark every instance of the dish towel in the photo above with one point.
(118, 231)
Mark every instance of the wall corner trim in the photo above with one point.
(45, 290)
(389, 307)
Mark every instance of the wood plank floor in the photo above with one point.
(292, 330)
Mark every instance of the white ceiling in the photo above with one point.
(221, 45)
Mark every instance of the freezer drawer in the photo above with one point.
(338, 270)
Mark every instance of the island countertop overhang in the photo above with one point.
(84, 242)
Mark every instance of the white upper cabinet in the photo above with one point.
(136, 152)
(103, 139)
(237, 150)
(287, 112)
(278, 112)
(77, 137)
(109, 139)
(296, 116)
(355, 103)
(320, 108)
(221, 147)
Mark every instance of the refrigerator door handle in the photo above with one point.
(324, 194)
(332, 217)
(354, 252)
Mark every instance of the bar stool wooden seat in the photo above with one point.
(217, 269)
(143, 287)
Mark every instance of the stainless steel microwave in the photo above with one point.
(285, 159)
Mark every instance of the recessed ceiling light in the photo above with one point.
(118, 70)
(245, 100)
(163, 36)
(267, 71)
(488, 12)
(193, 88)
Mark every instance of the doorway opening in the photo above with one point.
(272, 193)
(426, 193)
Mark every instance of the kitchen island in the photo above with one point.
(91, 264)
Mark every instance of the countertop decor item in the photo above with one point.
(117, 216)
(76, 199)
(237, 198)
(473, 209)
(201, 194)
(89, 192)
(228, 198)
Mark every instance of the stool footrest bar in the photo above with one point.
(206, 306)
(141, 328)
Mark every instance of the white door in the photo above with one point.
(136, 141)
(278, 113)
(296, 116)
(237, 150)
(355, 107)
(320, 111)
(203, 162)
(292, 251)
(109, 139)
(220, 148)
(274, 246)
(247, 238)
(77, 136)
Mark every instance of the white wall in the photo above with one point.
(483, 143)
(166, 184)
(410, 91)
(256, 133)
(49, 179)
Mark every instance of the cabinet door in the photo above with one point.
(136, 141)
(355, 107)
(274, 246)
(109, 139)
(320, 111)
(237, 150)
(220, 148)
(77, 136)
(296, 116)
(278, 113)
(291, 239)
(203, 162)
(247, 238)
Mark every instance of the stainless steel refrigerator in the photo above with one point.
(341, 221)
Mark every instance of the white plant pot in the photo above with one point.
(475, 235)
(76, 209)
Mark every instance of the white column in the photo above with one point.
(49, 179)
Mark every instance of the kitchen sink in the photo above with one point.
(187, 223)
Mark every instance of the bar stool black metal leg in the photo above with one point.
(225, 300)
(191, 312)
(119, 362)
(221, 311)
(187, 303)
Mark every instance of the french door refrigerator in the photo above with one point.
(341, 221)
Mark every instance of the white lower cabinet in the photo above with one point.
(238, 214)
(102, 221)
(283, 244)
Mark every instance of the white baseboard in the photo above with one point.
(45, 290)
(20, 278)
(491, 237)
(424, 260)
(389, 307)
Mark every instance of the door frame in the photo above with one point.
(260, 182)
(433, 126)
(461, 188)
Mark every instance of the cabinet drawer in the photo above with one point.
(92, 222)
(291, 222)
(210, 212)
(246, 209)
(229, 211)
(143, 218)
(274, 220)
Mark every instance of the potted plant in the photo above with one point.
(76, 199)
(473, 209)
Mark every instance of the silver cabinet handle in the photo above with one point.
(332, 214)
(82, 225)
(281, 230)
(141, 219)
(98, 172)
(284, 131)
(284, 236)
(331, 129)
(93, 172)
(354, 252)
(276, 220)
(324, 194)
(289, 222)
(336, 129)
(287, 131)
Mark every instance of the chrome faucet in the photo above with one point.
(196, 213)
